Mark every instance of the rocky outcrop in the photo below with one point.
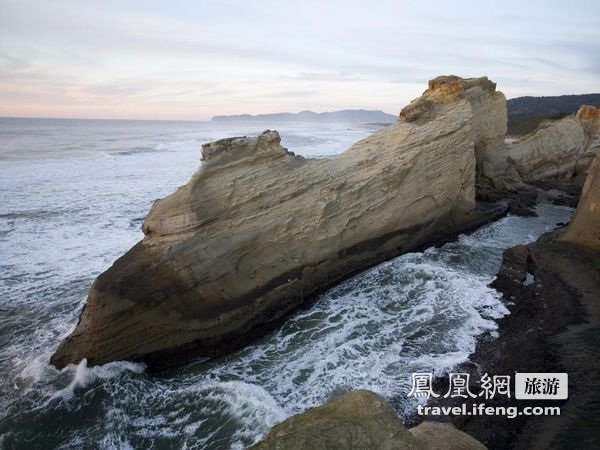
(551, 152)
(444, 436)
(552, 289)
(356, 420)
(560, 150)
(584, 229)
(361, 420)
(257, 230)
(489, 123)
(589, 118)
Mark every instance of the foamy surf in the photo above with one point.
(83, 376)
(367, 331)
(421, 311)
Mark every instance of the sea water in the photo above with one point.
(73, 197)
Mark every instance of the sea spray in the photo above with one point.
(83, 375)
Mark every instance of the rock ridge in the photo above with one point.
(257, 231)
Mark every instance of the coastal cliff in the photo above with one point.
(258, 230)
(558, 150)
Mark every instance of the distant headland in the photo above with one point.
(345, 115)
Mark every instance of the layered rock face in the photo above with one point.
(589, 118)
(558, 150)
(489, 121)
(361, 420)
(584, 229)
(551, 152)
(257, 230)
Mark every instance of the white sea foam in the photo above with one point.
(83, 375)
(35, 369)
(367, 332)
(113, 441)
(252, 406)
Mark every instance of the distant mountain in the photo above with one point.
(561, 104)
(526, 113)
(346, 115)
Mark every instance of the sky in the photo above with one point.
(195, 59)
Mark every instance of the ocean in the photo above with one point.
(74, 194)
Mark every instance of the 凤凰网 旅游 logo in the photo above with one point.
(527, 386)
(541, 386)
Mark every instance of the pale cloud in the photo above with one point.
(192, 60)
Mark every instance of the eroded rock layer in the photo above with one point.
(258, 230)
(559, 150)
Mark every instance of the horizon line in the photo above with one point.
(257, 114)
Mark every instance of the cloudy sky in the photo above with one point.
(190, 60)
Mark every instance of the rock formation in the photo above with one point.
(562, 149)
(356, 420)
(589, 118)
(584, 229)
(444, 436)
(361, 420)
(551, 152)
(257, 230)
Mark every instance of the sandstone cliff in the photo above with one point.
(584, 229)
(557, 150)
(489, 121)
(551, 152)
(257, 230)
(361, 420)
(589, 118)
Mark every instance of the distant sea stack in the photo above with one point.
(346, 115)
(257, 231)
